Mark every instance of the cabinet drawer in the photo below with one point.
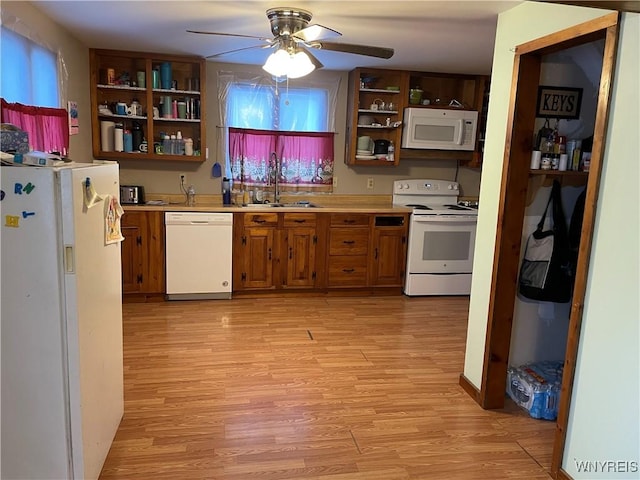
(349, 219)
(348, 270)
(260, 219)
(348, 241)
(299, 219)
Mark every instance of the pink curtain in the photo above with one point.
(48, 128)
(306, 159)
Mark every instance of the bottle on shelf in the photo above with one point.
(166, 145)
(138, 136)
(119, 137)
(391, 152)
(188, 146)
(179, 145)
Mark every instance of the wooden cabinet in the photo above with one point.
(389, 250)
(274, 251)
(298, 255)
(117, 76)
(379, 88)
(254, 250)
(367, 250)
(370, 86)
(142, 253)
(348, 255)
(452, 91)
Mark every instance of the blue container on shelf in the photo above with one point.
(165, 75)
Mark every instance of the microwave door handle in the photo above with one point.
(458, 139)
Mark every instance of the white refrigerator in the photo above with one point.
(61, 324)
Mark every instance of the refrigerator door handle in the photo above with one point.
(69, 260)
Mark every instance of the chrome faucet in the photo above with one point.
(277, 166)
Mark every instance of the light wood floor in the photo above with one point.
(336, 388)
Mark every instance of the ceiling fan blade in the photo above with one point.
(228, 52)
(317, 63)
(370, 51)
(315, 32)
(230, 35)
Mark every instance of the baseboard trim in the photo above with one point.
(469, 388)
(562, 475)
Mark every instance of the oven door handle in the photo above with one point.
(445, 218)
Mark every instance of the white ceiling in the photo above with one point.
(438, 36)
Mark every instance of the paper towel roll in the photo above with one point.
(106, 135)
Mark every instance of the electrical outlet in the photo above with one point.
(182, 178)
(335, 181)
(370, 183)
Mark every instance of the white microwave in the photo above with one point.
(439, 129)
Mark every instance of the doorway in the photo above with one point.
(514, 186)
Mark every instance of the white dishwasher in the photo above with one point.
(198, 250)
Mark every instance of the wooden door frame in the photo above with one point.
(513, 193)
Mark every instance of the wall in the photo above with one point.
(76, 60)
(605, 397)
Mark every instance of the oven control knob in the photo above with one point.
(406, 186)
(453, 186)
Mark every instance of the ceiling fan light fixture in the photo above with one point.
(283, 64)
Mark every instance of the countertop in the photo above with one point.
(324, 203)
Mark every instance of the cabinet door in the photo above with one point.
(153, 253)
(258, 257)
(300, 256)
(131, 253)
(142, 252)
(388, 257)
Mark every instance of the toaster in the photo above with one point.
(132, 194)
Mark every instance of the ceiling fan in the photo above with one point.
(293, 38)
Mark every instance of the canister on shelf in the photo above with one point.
(536, 157)
(119, 137)
(564, 160)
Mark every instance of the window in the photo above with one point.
(294, 109)
(29, 71)
(30, 92)
(263, 120)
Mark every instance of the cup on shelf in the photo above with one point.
(121, 108)
(365, 144)
(182, 109)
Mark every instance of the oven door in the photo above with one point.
(441, 243)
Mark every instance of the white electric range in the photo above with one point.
(442, 236)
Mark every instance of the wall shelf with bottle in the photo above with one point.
(376, 106)
(147, 96)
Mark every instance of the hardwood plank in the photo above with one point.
(239, 390)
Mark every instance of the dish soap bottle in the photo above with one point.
(191, 196)
(391, 152)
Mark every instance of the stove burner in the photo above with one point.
(417, 206)
(455, 207)
(469, 203)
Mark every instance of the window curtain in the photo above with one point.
(306, 159)
(48, 128)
